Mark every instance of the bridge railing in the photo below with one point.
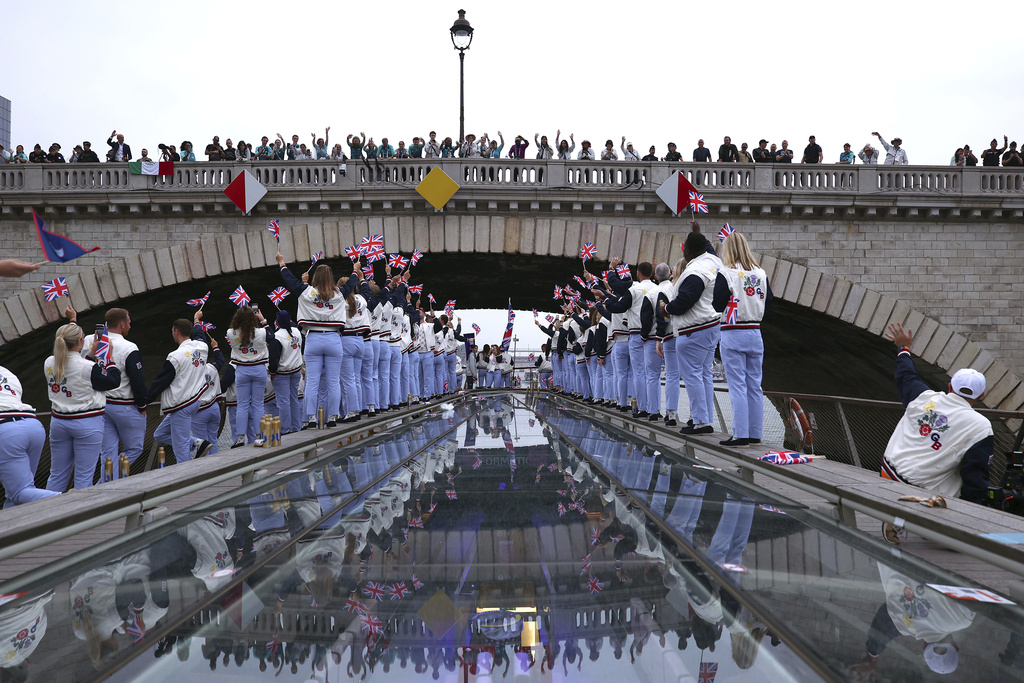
(639, 177)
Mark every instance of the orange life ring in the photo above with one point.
(800, 422)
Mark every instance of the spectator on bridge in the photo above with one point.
(470, 147)
(673, 154)
(19, 156)
(416, 148)
(958, 158)
(991, 156)
(628, 153)
(186, 151)
(230, 153)
(544, 150)
(355, 145)
(264, 152)
(940, 444)
(609, 153)
(784, 155)
(244, 151)
(847, 157)
(5, 155)
(701, 153)
(37, 155)
(145, 156)
(586, 152)
(971, 160)
(744, 156)
(320, 144)
(868, 155)
(564, 148)
(76, 154)
(494, 150)
(337, 152)
(895, 155)
(433, 147)
(119, 151)
(727, 151)
(447, 149)
(55, 157)
(772, 151)
(812, 153)
(169, 153)
(1012, 157)
(761, 154)
(280, 150)
(214, 152)
(518, 150)
(402, 152)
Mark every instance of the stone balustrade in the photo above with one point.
(513, 186)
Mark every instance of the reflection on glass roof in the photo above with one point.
(494, 540)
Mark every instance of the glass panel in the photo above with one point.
(479, 543)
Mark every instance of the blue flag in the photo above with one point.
(57, 247)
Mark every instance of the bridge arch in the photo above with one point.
(506, 237)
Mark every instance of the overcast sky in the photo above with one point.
(936, 74)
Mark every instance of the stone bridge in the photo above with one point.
(935, 248)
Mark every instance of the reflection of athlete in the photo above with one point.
(21, 629)
(21, 443)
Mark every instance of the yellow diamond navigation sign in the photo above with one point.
(437, 188)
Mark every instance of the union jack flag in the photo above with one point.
(398, 590)
(561, 509)
(416, 522)
(272, 645)
(398, 261)
(535, 313)
(579, 281)
(730, 310)
(275, 230)
(374, 591)
(56, 288)
(476, 328)
(195, 302)
(588, 251)
(370, 244)
(550, 318)
(586, 568)
(594, 585)
(207, 326)
(536, 480)
(623, 271)
(595, 536)
(416, 583)
(452, 495)
(416, 256)
(478, 463)
(104, 352)
(239, 297)
(278, 295)
(725, 232)
(415, 289)
(507, 438)
(316, 257)
(558, 292)
(371, 623)
(376, 255)
(135, 627)
(784, 458)
(707, 672)
(449, 307)
(697, 202)
(431, 299)
(353, 253)
(354, 605)
(531, 358)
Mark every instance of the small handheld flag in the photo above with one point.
(104, 351)
(476, 328)
(588, 251)
(57, 247)
(550, 318)
(55, 288)
(697, 202)
(623, 271)
(398, 261)
(535, 313)
(579, 281)
(200, 301)
(353, 253)
(316, 257)
(431, 299)
(416, 256)
(278, 295)
(275, 230)
(207, 326)
(558, 292)
(784, 458)
(376, 255)
(373, 243)
(725, 232)
(239, 297)
(415, 289)
(449, 307)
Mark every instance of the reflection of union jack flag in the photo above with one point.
(415, 289)
(561, 510)
(730, 310)
(398, 261)
(104, 351)
(239, 297)
(416, 256)
(416, 583)
(476, 328)
(452, 495)
(56, 288)
(478, 463)
(195, 302)
(374, 243)
(207, 326)
(725, 232)
(536, 480)
(354, 605)
(623, 271)
(353, 253)
(588, 251)
(586, 567)
(370, 622)
(707, 673)
(278, 295)
(376, 255)
(398, 590)
(558, 292)
(771, 508)
(594, 585)
(275, 230)
(416, 522)
(784, 458)
(507, 438)
(373, 590)
(135, 627)
(595, 536)
(697, 202)
(272, 645)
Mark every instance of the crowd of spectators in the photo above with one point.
(362, 147)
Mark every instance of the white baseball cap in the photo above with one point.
(968, 383)
(942, 658)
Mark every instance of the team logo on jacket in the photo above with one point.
(55, 386)
(932, 424)
(22, 639)
(752, 284)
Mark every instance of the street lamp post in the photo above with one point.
(462, 36)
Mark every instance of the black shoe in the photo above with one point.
(654, 417)
(671, 422)
(690, 429)
(754, 440)
(642, 414)
(364, 411)
(735, 442)
(204, 448)
(308, 425)
(331, 424)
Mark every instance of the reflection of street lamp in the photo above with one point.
(515, 345)
(462, 36)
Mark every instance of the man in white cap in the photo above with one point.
(941, 443)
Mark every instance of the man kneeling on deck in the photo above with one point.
(940, 444)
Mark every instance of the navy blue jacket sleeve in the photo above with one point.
(136, 380)
(105, 382)
(294, 284)
(646, 318)
(974, 470)
(227, 380)
(274, 347)
(198, 333)
(584, 323)
(458, 333)
(218, 359)
(689, 293)
(619, 285)
(720, 299)
(162, 381)
(364, 289)
(621, 304)
(601, 337)
(549, 330)
(908, 384)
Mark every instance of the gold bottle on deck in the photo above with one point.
(108, 469)
(160, 458)
(276, 431)
(320, 424)
(124, 465)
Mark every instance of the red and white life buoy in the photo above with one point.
(800, 423)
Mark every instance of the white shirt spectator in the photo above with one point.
(894, 156)
(867, 157)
